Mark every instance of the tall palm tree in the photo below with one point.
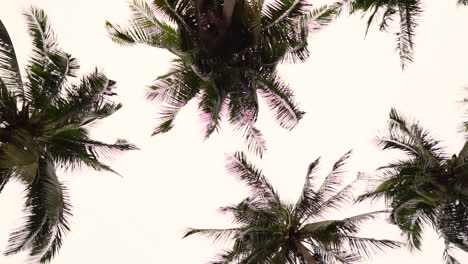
(407, 12)
(270, 230)
(224, 67)
(428, 187)
(43, 119)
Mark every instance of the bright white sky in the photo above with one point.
(176, 180)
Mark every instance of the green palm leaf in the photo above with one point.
(10, 74)
(47, 221)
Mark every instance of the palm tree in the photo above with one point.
(428, 187)
(407, 12)
(43, 119)
(270, 230)
(224, 57)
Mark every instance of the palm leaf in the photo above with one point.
(410, 218)
(211, 108)
(178, 11)
(215, 234)
(174, 90)
(282, 12)
(253, 139)
(346, 225)
(163, 36)
(10, 73)
(238, 166)
(48, 209)
(49, 67)
(334, 179)
(73, 148)
(321, 17)
(279, 98)
(369, 246)
(308, 199)
(339, 199)
(243, 112)
(409, 11)
(88, 101)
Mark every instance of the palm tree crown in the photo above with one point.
(43, 120)
(273, 231)
(224, 71)
(428, 187)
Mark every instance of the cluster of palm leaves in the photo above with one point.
(428, 187)
(226, 82)
(385, 12)
(270, 230)
(43, 119)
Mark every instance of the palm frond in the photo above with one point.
(282, 12)
(279, 98)
(320, 17)
(211, 108)
(49, 67)
(214, 234)
(334, 179)
(73, 148)
(328, 255)
(308, 199)
(344, 226)
(410, 138)
(243, 112)
(382, 190)
(88, 101)
(261, 188)
(129, 36)
(410, 218)
(160, 36)
(253, 139)
(339, 199)
(409, 12)
(47, 221)
(10, 73)
(174, 90)
(370, 246)
(178, 11)
(40, 29)
(143, 17)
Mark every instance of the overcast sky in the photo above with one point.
(178, 180)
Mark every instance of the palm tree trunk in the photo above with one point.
(309, 259)
(228, 10)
